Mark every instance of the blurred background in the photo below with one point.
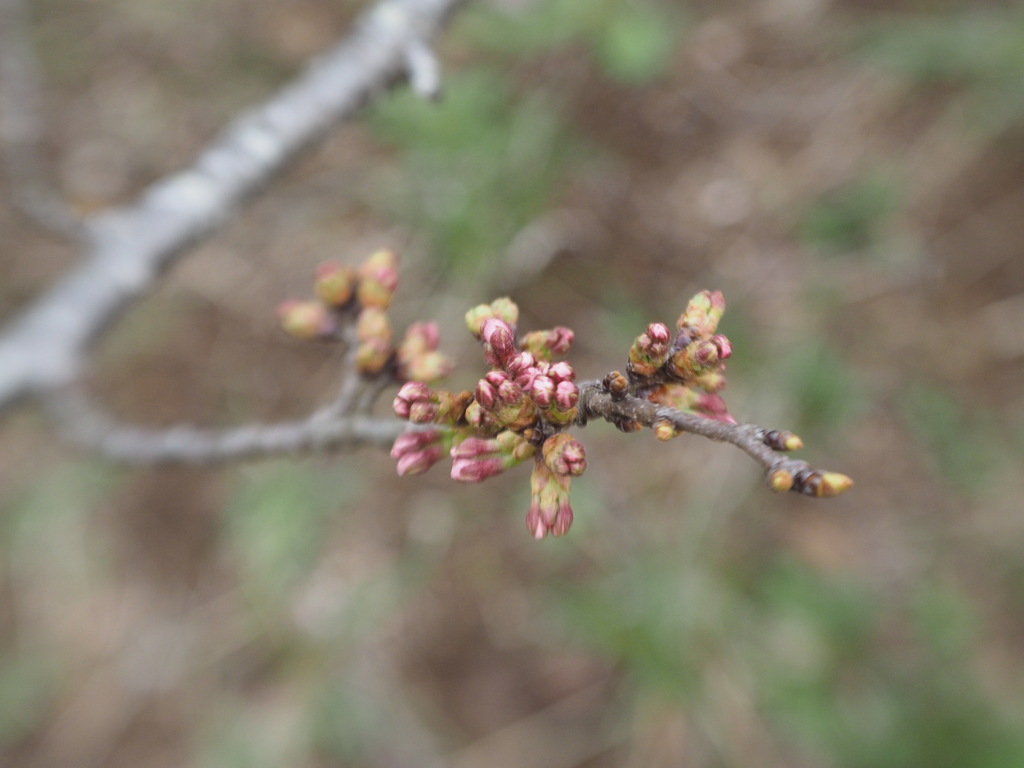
(849, 172)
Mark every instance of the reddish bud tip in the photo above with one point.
(564, 454)
(723, 345)
(499, 341)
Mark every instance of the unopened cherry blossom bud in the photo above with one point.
(499, 341)
(664, 430)
(542, 390)
(781, 440)
(503, 309)
(703, 313)
(378, 279)
(306, 319)
(546, 344)
(650, 350)
(713, 406)
(813, 482)
(372, 356)
(506, 309)
(616, 385)
(549, 511)
(334, 283)
(780, 480)
(481, 419)
(486, 394)
(561, 371)
(417, 339)
(428, 366)
(416, 452)
(373, 323)
(411, 394)
(562, 408)
(476, 459)
(723, 345)
(694, 360)
(567, 395)
(476, 470)
(564, 454)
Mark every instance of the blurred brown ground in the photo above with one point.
(137, 591)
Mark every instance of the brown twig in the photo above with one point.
(782, 473)
(84, 425)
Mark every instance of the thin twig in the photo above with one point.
(82, 424)
(595, 402)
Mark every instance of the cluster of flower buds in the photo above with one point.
(518, 410)
(684, 370)
(523, 406)
(358, 298)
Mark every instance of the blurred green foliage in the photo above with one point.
(979, 47)
(853, 217)
(275, 521)
(476, 168)
(962, 447)
(633, 43)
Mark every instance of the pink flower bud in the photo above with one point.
(703, 313)
(486, 394)
(549, 503)
(546, 344)
(306, 319)
(334, 283)
(416, 452)
(372, 355)
(564, 454)
(561, 371)
(418, 339)
(499, 341)
(414, 393)
(714, 407)
(510, 393)
(542, 390)
(476, 459)
(520, 363)
(650, 350)
(703, 353)
(422, 412)
(473, 447)
(428, 366)
(476, 470)
(723, 346)
(567, 395)
(373, 324)
(378, 279)
(658, 333)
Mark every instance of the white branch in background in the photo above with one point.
(127, 248)
(21, 127)
(82, 424)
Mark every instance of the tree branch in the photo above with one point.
(84, 425)
(782, 473)
(44, 348)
